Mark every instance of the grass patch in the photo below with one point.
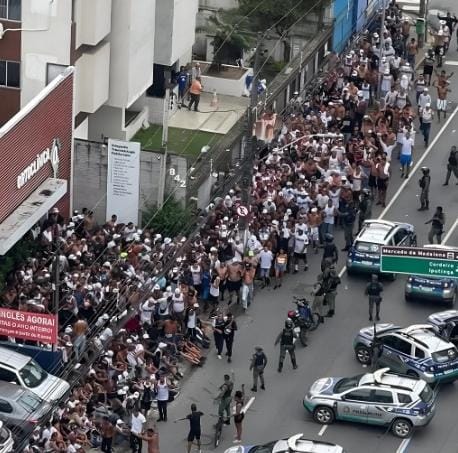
(184, 142)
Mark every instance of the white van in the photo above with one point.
(24, 371)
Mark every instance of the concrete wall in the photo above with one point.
(51, 45)
(132, 50)
(93, 20)
(90, 177)
(230, 87)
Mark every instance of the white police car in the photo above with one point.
(379, 398)
(416, 350)
(446, 323)
(364, 254)
(294, 444)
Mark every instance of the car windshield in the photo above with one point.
(30, 402)
(427, 394)
(367, 247)
(266, 448)
(347, 383)
(446, 355)
(32, 374)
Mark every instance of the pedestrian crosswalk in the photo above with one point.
(409, 6)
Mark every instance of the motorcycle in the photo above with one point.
(303, 319)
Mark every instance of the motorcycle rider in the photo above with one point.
(365, 208)
(424, 184)
(286, 338)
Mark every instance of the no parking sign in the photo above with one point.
(242, 211)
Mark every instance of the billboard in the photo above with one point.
(28, 326)
(123, 180)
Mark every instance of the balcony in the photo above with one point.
(93, 19)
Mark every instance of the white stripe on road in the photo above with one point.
(413, 170)
(404, 444)
(450, 232)
(322, 430)
(451, 62)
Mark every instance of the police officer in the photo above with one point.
(424, 184)
(452, 164)
(225, 398)
(286, 339)
(330, 252)
(258, 363)
(331, 281)
(365, 208)
(437, 226)
(373, 289)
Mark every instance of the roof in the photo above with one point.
(13, 359)
(384, 377)
(11, 391)
(424, 333)
(376, 231)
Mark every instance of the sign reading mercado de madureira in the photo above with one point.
(429, 262)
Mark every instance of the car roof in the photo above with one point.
(443, 316)
(13, 359)
(297, 444)
(424, 335)
(376, 231)
(11, 391)
(383, 377)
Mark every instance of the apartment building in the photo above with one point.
(116, 47)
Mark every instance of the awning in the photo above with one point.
(27, 214)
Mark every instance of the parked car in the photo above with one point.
(436, 289)
(364, 254)
(6, 439)
(380, 398)
(417, 350)
(21, 410)
(25, 372)
(293, 444)
(446, 323)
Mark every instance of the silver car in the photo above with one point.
(379, 398)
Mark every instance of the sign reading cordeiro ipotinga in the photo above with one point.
(28, 326)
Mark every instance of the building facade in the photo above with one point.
(113, 44)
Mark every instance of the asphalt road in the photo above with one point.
(278, 412)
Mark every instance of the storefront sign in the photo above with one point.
(28, 326)
(123, 180)
(48, 155)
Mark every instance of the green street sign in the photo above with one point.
(428, 262)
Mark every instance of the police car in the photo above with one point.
(416, 350)
(446, 323)
(437, 289)
(364, 254)
(294, 444)
(379, 398)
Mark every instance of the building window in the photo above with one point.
(54, 70)
(10, 9)
(10, 74)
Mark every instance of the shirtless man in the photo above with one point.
(442, 90)
(221, 269)
(234, 280)
(249, 273)
(151, 436)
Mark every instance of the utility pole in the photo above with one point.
(421, 21)
(56, 284)
(249, 152)
(165, 138)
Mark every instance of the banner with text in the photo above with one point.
(28, 326)
(123, 180)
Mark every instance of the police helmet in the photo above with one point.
(328, 237)
(288, 323)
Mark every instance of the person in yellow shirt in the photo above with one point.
(195, 90)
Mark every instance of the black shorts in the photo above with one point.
(233, 286)
(193, 435)
(381, 184)
(372, 181)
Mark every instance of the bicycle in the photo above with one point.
(218, 429)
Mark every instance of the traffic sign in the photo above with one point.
(242, 211)
(428, 262)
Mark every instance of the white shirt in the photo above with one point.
(265, 258)
(147, 312)
(137, 423)
(407, 144)
(300, 243)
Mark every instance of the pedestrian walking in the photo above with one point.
(365, 208)
(348, 212)
(239, 398)
(331, 281)
(265, 263)
(225, 397)
(374, 289)
(147, 398)
(426, 119)
(218, 333)
(287, 338)
(301, 242)
(281, 263)
(195, 91)
(424, 183)
(437, 226)
(258, 364)
(406, 154)
(249, 274)
(183, 82)
(194, 427)
(230, 326)
(151, 437)
(162, 397)
(108, 433)
(137, 422)
(452, 165)
(442, 92)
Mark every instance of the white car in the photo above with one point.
(24, 371)
(293, 444)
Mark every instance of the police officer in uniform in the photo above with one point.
(286, 339)
(424, 183)
(452, 164)
(330, 252)
(365, 208)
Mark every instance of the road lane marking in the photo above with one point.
(412, 172)
(404, 444)
(322, 430)
(450, 232)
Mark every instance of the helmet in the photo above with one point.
(366, 192)
(288, 323)
(425, 170)
(291, 314)
(328, 237)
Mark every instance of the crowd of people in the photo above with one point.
(330, 161)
